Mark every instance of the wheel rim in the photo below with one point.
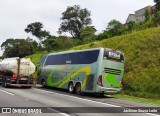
(70, 88)
(5, 84)
(78, 89)
(43, 84)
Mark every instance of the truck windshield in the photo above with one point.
(113, 55)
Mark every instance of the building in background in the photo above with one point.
(139, 15)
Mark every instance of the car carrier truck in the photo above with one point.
(16, 72)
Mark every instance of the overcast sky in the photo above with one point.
(15, 15)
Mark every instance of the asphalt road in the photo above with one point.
(62, 103)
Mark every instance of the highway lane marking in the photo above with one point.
(153, 114)
(27, 99)
(90, 100)
(6, 92)
(58, 112)
(80, 98)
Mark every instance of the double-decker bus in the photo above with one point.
(97, 70)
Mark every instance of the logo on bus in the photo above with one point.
(114, 55)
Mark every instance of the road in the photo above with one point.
(62, 103)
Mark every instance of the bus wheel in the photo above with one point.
(71, 87)
(78, 88)
(43, 83)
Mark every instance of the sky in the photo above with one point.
(15, 15)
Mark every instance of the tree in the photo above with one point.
(147, 15)
(87, 33)
(35, 45)
(36, 30)
(49, 43)
(131, 26)
(115, 28)
(104, 35)
(73, 19)
(157, 5)
(17, 48)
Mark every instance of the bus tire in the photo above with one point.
(43, 83)
(78, 89)
(71, 87)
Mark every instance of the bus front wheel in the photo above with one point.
(78, 88)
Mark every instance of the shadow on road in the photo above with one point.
(64, 91)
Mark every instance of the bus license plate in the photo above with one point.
(23, 78)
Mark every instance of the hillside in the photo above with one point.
(142, 60)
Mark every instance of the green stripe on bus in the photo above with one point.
(50, 83)
(110, 78)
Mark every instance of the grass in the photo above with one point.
(150, 101)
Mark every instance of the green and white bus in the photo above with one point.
(97, 70)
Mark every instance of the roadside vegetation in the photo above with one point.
(142, 61)
(140, 42)
(150, 101)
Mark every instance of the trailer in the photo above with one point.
(17, 72)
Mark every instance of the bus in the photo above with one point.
(96, 70)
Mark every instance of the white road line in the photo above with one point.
(152, 114)
(81, 98)
(6, 92)
(90, 100)
(59, 112)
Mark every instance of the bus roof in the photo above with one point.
(72, 51)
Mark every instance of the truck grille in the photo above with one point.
(112, 71)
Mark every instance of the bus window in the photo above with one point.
(113, 55)
(91, 56)
(55, 59)
(86, 57)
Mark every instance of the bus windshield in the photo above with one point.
(113, 55)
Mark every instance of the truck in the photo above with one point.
(17, 72)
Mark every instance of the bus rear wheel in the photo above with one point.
(43, 83)
(71, 88)
(78, 89)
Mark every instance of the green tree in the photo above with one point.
(147, 15)
(36, 30)
(73, 19)
(131, 26)
(104, 35)
(115, 28)
(17, 48)
(157, 5)
(87, 33)
(35, 45)
(49, 43)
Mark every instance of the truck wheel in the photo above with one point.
(78, 88)
(28, 87)
(71, 87)
(5, 83)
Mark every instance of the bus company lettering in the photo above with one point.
(114, 55)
